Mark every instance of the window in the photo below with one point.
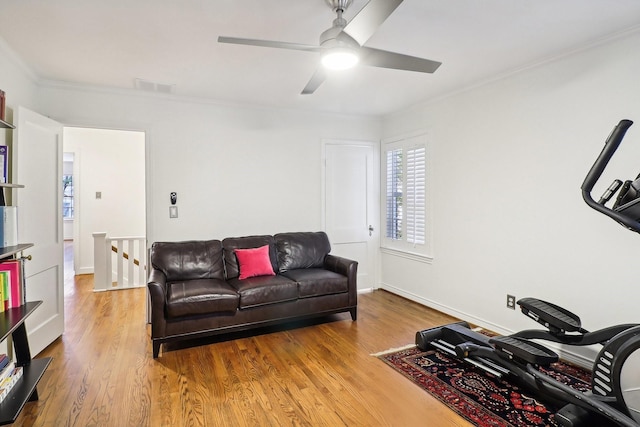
(416, 195)
(405, 184)
(67, 197)
(394, 194)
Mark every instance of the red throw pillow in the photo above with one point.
(254, 262)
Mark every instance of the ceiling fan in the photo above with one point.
(341, 46)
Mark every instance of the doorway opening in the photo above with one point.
(104, 190)
(67, 214)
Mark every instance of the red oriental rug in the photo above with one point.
(477, 396)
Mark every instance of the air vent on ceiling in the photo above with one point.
(150, 86)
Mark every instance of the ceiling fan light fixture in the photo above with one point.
(339, 58)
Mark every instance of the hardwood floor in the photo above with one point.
(308, 374)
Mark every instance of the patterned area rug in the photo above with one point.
(482, 399)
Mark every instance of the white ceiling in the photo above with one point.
(112, 42)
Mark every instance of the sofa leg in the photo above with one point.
(156, 349)
(354, 313)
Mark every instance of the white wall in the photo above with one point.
(110, 162)
(508, 161)
(20, 88)
(16, 81)
(237, 170)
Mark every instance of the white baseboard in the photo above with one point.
(565, 354)
(84, 270)
(445, 309)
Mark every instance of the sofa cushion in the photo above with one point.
(263, 290)
(301, 250)
(254, 262)
(195, 259)
(200, 296)
(230, 245)
(314, 282)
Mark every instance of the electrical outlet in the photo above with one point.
(511, 302)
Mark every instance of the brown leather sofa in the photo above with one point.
(196, 289)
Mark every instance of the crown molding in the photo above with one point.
(172, 97)
(610, 38)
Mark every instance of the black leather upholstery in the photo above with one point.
(195, 290)
(313, 282)
(230, 244)
(188, 260)
(200, 296)
(301, 250)
(264, 290)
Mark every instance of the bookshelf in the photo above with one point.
(6, 125)
(4, 185)
(9, 251)
(12, 324)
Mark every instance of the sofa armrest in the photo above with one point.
(157, 285)
(340, 265)
(348, 268)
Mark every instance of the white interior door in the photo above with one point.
(351, 212)
(37, 164)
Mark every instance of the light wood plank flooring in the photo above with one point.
(313, 374)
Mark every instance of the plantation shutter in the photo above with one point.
(405, 184)
(394, 194)
(415, 199)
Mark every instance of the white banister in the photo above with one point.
(118, 258)
(100, 261)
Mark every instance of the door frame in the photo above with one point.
(80, 244)
(375, 194)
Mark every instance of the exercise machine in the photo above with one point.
(615, 383)
(626, 208)
(517, 358)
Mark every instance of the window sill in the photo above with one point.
(427, 259)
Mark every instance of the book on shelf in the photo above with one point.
(7, 379)
(4, 163)
(11, 278)
(9, 375)
(7, 370)
(7, 384)
(4, 361)
(3, 294)
(5, 283)
(8, 226)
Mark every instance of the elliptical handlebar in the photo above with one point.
(611, 145)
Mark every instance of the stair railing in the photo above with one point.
(119, 262)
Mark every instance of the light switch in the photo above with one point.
(173, 212)
(98, 194)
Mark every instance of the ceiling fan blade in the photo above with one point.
(268, 43)
(370, 17)
(397, 61)
(316, 80)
